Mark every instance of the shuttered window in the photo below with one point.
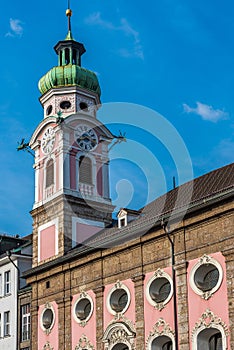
(85, 170)
(50, 173)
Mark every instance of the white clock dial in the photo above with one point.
(48, 140)
(86, 137)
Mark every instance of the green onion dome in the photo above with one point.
(69, 75)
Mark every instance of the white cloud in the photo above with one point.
(124, 27)
(206, 112)
(16, 28)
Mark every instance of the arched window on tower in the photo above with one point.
(85, 170)
(209, 339)
(74, 56)
(50, 173)
(67, 56)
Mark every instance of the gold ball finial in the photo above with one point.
(68, 12)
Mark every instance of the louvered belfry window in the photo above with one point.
(85, 170)
(50, 173)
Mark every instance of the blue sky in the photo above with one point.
(174, 57)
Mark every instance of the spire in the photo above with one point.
(69, 14)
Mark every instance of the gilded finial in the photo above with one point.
(69, 14)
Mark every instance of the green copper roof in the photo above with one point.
(69, 75)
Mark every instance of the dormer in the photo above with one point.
(127, 215)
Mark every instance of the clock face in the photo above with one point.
(86, 137)
(48, 139)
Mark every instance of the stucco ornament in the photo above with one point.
(47, 346)
(160, 328)
(119, 333)
(84, 344)
(209, 320)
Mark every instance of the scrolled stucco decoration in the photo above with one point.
(118, 332)
(208, 320)
(47, 346)
(84, 343)
(160, 328)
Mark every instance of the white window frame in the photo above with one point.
(7, 329)
(7, 282)
(206, 259)
(25, 322)
(0, 289)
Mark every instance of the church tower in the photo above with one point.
(72, 200)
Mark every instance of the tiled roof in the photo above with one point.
(192, 194)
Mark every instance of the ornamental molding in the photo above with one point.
(206, 259)
(209, 320)
(119, 332)
(84, 343)
(47, 346)
(160, 328)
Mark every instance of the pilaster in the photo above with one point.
(138, 280)
(99, 291)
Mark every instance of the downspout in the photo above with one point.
(166, 229)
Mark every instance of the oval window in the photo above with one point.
(206, 277)
(83, 309)
(119, 300)
(83, 106)
(65, 104)
(47, 318)
(160, 289)
(49, 110)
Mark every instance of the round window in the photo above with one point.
(47, 318)
(206, 277)
(49, 110)
(119, 300)
(83, 309)
(83, 106)
(160, 289)
(65, 104)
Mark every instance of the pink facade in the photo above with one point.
(88, 329)
(217, 303)
(84, 231)
(152, 315)
(47, 242)
(129, 313)
(52, 336)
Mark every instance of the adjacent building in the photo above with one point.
(14, 261)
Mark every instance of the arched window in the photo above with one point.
(209, 339)
(74, 56)
(120, 346)
(49, 173)
(162, 343)
(85, 170)
(67, 56)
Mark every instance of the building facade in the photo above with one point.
(162, 279)
(13, 262)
